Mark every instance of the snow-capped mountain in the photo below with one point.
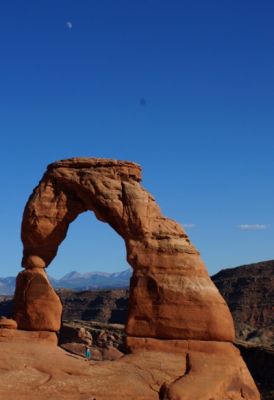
(93, 280)
(7, 285)
(78, 281)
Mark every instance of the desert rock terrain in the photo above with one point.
(179, 329)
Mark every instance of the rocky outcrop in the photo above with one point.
(172, 303)
(110, 306)
(106, 340)
(197, 372)
(36, 305)
(171, 294)
(260, 362)
(7, 323)
(249, 293)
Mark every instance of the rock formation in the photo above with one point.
(36, 305)
(249, 293)
(171, 295)
(173, 304)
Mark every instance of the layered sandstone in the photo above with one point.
(171, 294)
(36, 305)
(175, 311)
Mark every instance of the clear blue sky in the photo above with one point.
(185, 88)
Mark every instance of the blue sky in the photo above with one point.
(185, 88)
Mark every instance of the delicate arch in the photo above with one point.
(171, 295)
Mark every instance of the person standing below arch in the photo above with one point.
(87, 353)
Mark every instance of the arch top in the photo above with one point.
(125, 168)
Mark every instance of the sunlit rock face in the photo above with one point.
(36, 305)
(171, 294)
(177, 318)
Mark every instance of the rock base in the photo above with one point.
(210, 370)
(13, 335)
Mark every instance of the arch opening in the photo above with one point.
(89, 246)
(171, 294)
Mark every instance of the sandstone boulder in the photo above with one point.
(7, 323)
(36, 305)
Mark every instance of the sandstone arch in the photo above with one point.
(175, 312)
(171, 294)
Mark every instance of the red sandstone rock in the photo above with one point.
(171, 294)
(7, 323)
(34, 371)
(111, 353)
(20, 336)
(36, 305)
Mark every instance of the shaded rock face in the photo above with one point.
(249, 293)
(171, 294)
(260, 362)
(101, 305)
(106, 340)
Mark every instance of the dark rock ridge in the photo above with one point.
(260, 362)
(107, 306)
(249, 293)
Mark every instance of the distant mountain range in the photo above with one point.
(78, 281)
(7, 285)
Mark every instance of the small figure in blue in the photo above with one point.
(88, 353)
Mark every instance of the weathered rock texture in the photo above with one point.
(7, 323)
(171, 294)
(249, 293)
(36, 305)
(110, 306)
(173, 307)
(194, 371)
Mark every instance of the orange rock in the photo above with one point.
(33, 371)
(219, 374)
(36, 305)
(111, 353)
(7, 323)
(20, 336)
(171, 294)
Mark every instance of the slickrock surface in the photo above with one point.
(19, 336)
(171, 294)
(7, 323)
(195, 371)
